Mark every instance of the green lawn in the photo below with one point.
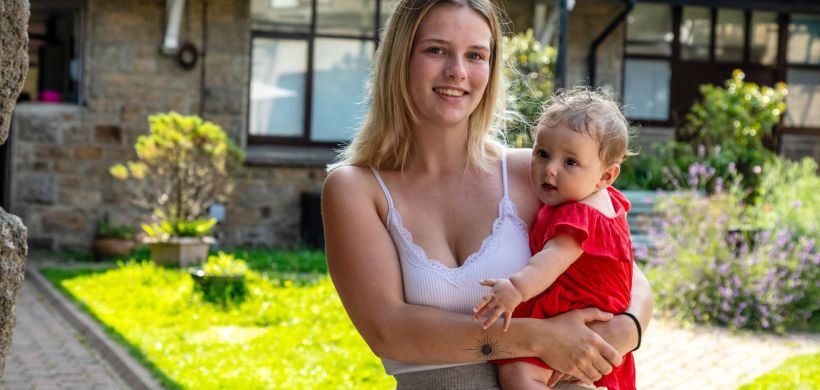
(291, 332)
(797, 373)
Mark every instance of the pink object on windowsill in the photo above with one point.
(49, 96)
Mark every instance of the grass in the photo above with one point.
(291, 332)
(796, 373)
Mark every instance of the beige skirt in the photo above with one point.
(483, 376)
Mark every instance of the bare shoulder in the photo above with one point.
(518, 160)
(347, 177)
(353, 188)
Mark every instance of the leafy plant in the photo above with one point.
(184, 166)
(224, 264)
(167, 229)
(739, 118)
(529, 69)
(107, 229)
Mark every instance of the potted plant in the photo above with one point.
(221, 279)
(111, 240)
(183, 167)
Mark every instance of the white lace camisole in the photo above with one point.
(428, 282)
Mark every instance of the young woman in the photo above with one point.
(423, 204)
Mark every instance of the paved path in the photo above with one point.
(48, 353)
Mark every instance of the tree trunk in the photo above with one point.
(14, 15)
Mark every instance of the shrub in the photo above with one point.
(222, 279)
(715, 264)
(183, 167)
(529, 69)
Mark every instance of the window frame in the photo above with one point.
(310, 38)
(778, 69)
(79, 10)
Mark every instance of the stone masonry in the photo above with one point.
(14, 16)
(60, 182)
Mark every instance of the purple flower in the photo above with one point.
(756, 169)
(796, 204)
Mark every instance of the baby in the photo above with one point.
(582, 252)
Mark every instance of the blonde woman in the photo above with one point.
(423, 204)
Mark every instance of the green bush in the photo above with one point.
(222, 279)
(739, 118)
(529, 69)
(789, 194)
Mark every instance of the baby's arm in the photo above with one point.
(540, 272)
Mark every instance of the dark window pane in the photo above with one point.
(281, 15)
(763, 41)
(646, 89)
(694, 33)
(804, 98)
(649, 30)
(340, 71)
(729, 35)
(804, 39)
(354, 17)
(278, 87)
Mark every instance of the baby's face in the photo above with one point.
(565, 165)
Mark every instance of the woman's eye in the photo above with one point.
(475, 56)
(572, 162)
(435, 50)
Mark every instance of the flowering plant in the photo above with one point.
(721, 259)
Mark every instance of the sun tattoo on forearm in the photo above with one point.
(487, 349)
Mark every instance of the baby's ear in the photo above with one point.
(609, 175)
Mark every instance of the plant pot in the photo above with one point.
(219, 288)
(180, 251)
(108, 247)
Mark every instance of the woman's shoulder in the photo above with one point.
(518, 160)
(349, 178)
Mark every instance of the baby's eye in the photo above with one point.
(571, 162)
(543, 154)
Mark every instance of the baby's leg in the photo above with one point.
(522, 375)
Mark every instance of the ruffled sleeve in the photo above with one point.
(597, 234)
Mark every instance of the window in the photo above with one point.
(55, 60)
(309, 67)
(646, 65)
(803, 72)
(695, 31)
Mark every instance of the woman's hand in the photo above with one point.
(569, 346)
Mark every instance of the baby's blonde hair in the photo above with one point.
(593, 112)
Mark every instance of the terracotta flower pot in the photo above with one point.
(108, 247)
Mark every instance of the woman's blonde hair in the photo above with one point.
(592, 112)
(385, 138)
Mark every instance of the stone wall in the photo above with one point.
(61, 154)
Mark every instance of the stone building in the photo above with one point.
(286, 78)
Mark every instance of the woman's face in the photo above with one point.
(449, 65)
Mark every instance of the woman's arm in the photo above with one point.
(621, 331)
(365, 270)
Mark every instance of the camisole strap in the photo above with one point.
(384, 187)
(504, 171)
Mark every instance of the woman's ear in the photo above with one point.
(609, 175)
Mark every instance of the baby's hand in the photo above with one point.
(502, 300)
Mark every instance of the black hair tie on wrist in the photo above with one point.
(637, 325)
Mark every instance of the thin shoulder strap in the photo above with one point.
(504, 171)
(383, 186)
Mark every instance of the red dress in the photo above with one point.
(601, 277)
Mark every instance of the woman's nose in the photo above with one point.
(455, 69)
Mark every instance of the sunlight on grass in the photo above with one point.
(797, 373)
(287, 334)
